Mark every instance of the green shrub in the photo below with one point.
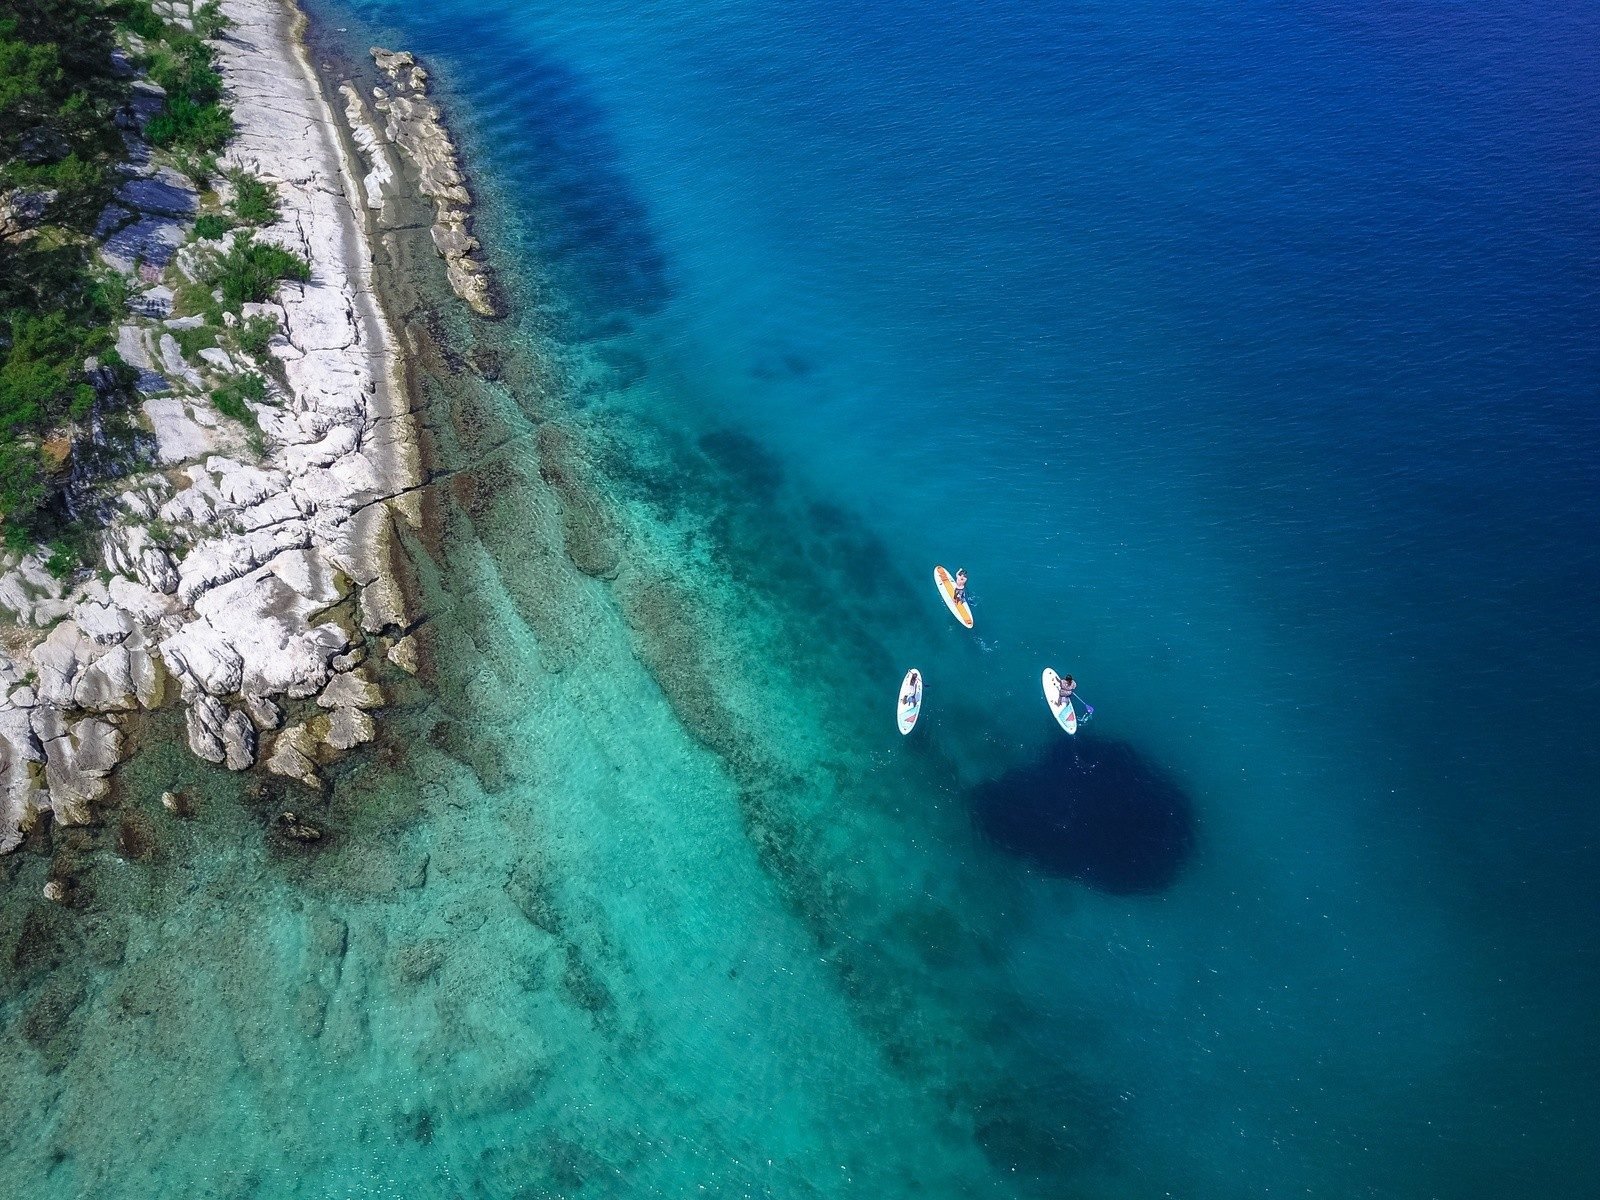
(183, 122)
(254, 334)
(139, 17)
(59, 98)
(199, 165)
(183, 65)
(192, 299)
(192, 341)
(255, 202)
(108, 291)
(123, 375)
(22, 490)
(193, 116)
(229, 399)
(63, 560)
(209, 226)
(249, 272)
(209, 20)
(41, 376)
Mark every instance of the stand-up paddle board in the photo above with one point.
(1066, 716)
(909, 706)
(947, 589)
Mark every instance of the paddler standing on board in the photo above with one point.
(961, 585)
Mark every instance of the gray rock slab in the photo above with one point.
(112, 218)
(215, 356)
(152, 240)
(179, 437)
(172, 360)
(154, 303)
(161, 195)
(146, 100)
(132, 346)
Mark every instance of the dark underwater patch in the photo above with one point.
(590, 226)
(1094, 810)
(750, 467)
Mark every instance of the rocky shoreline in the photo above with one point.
(414, 127)
(248, 579)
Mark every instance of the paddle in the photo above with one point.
(1088, 709)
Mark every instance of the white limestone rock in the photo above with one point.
(76, 766)
(106, 684)
(238, 741)
(181, 434)
(176, 367)
(204, 722)
(22, 795)
(154, 302)
(59, 660)
(217, 358)
(254, 635)
(104, 623)
(232, 598)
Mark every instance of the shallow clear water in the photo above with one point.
(1245, 357)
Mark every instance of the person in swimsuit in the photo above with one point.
(1068, 686)
(908, 698)
(961, 585)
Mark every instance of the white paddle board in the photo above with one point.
(908, 706)
(1066, 716)
(946, 584)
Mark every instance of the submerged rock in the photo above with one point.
(353, 690)
(348, 728)
(296, 830)
(294, 756)
(415, 125)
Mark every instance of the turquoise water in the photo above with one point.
(1245, 357)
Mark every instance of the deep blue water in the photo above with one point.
(1246, 356)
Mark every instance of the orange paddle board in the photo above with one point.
(947, 588)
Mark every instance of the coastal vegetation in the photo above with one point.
(68, 96)
(250, 272)
(255, 202)
(229, 399)
(59, 99)
(193, 118)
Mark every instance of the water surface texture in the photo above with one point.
(1246, 357)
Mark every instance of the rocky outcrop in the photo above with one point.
(246, 570)
(414, 125)
(22, 210)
